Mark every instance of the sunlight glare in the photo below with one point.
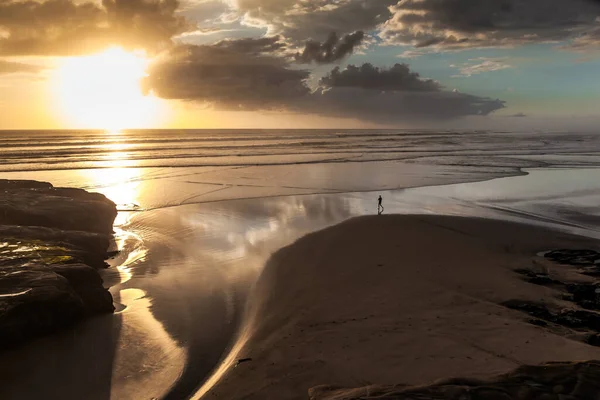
(117, 178)
(102, 91)
(121, 185)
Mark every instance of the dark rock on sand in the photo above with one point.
(553, 381)
(27, 203)
(53, 242)
(41, 299)
(575, 319)
(593, 340)
(573, 257)
(587, 261)
(537, 278)
(538, 322)
(537, 310)
(585, 295)
(87, 284)
(50, 244)
(578, 319)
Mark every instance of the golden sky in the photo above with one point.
(117, 64)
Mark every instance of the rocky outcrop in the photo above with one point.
(582, 319)
(553, 381)
(580, 257)
(27, 203)
(52, 243)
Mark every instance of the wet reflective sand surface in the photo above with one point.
(185, 271)
(194, 239)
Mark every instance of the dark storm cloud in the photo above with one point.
(392, 107)
(332, 50)
(397, 78)
(315, 19)
(265, 45)
(479, 23)
(393, 95)
(144, 22)
(243, 76)
(585, 41)
(230, 75)
(427, 23)
(64, 27)
(10, 67)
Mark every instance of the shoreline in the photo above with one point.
(319, 317)
(461, 176)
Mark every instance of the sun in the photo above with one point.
(102, 91)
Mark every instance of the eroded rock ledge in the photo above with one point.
(551, 381)
(582, 318)
(52, 243)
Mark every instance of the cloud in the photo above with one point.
(11, 67)
(412, 53)
(582, 43)
(393, 95)
(480, 65)
(315, 19)
(481, 23)
(332, 50)
(249, 74)
(252, 46)
(67, 27)
(393, 107)
(397, 78)
(233, 74)
(452, 24)
(203, 11)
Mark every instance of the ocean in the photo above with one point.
(201, 212)
(183, 167)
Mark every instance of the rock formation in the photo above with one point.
(553, 381)
(52, 243)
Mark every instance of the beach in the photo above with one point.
(314, 199)
(405, 299)
(195, 234)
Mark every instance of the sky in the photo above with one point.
(434, 64)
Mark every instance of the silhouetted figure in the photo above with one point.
(379, 206)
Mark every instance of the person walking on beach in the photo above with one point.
(379, 206)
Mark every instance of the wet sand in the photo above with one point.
(397, 300)
(193, 248)
(185, 271)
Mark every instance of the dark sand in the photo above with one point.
(398, 300)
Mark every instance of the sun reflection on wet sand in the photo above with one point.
(156, 360)
(117, 177)
(131, 251)
(121, 185)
